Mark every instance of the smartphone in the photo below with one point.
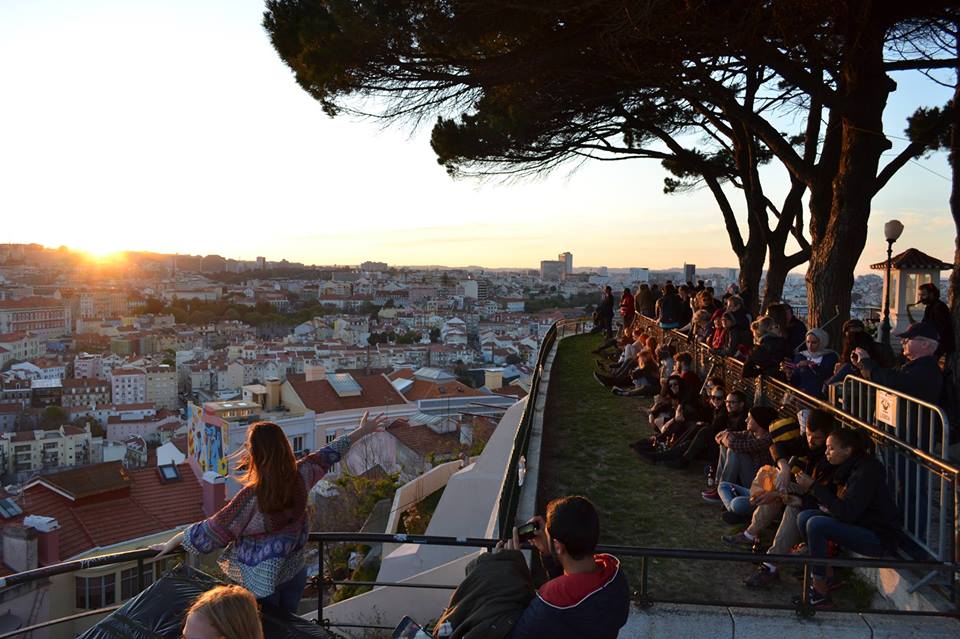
(793, 462)
(527, 531)
(410, 629)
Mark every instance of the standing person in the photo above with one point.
(669, 308)
(605, 309)
(627, 307)
(644, 302)
(224, 612)
(264, 527)
(686, 305)
(937, 313)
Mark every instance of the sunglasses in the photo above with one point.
(720, 397)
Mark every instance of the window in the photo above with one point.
(128, 581)
(297, 441)
(331, 436)
(96, 592)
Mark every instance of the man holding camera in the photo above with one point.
(919, 376)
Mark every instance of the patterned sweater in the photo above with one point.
(263, 550)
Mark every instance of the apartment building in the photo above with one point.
(103, 304)
(37, 450)
(161, 386)
(129, 386)
(21, 346)
(46, 317)
(88, 366)
(86, 392)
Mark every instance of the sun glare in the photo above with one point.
(105, 257)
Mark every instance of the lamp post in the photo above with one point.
(891, 231)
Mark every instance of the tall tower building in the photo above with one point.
(567, 259)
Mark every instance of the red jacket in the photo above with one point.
(627, 306)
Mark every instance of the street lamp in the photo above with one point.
(891, 231)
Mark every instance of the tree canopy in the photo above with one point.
(703, 86)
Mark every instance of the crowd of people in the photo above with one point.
(813, 484)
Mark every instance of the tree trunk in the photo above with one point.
(839, 235)
(751, 269)
(953, 361)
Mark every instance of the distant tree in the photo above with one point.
(434, 335)
(53, 417)
(154, 306)
(513, 359)
(231, 314)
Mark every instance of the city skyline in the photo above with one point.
(211, 147)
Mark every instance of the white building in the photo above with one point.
(567, 259)
(88, 366)
(129, 386)
(552, 270)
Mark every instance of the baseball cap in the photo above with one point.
(921, 329)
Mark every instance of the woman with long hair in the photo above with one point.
(224, 612)
(264, 527)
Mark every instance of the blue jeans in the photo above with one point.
(735, 498)
(287, 595)
(820, 528)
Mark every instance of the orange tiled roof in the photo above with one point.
(422, 389)
(319, 395)
(149, 506)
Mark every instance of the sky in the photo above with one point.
(173, 126)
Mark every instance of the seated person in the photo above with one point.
(665, 358)
(741, 455)
(587, 594)
(856, 510)
(787, 502)
(691, 381)
(675, 430)
(671, 395)
(812, 367)
(735, 340)
(224, 612)
(919, 376)
(644, 380)
(854, 336)
(769, 351)
(736, 421)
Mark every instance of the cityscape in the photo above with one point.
(425, 320)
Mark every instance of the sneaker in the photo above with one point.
(731, 517)
(815, 599)
(738, 541)
(762, 578)
(710, 495)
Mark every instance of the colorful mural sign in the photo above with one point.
(208, 439)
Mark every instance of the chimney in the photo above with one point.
(214, 492)
(493, 379)
(273, 394)
(314, 372)
(20, 547)
(48, 538)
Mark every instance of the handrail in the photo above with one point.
(510, 492)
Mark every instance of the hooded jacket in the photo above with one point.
(594, 605)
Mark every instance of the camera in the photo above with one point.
(527, 531)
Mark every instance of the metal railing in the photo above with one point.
(914, 447)
(142, 557)
(510, 495)
(643, 595)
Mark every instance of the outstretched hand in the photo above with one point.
(372, 425)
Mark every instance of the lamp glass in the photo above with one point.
(892, 230)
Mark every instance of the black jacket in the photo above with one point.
(920, 378)
(766, 357)
(938, 314)
(490, 600)
(858, 495)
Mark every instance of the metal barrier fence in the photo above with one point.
(911, 438)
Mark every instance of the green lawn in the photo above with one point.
(585, 451)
